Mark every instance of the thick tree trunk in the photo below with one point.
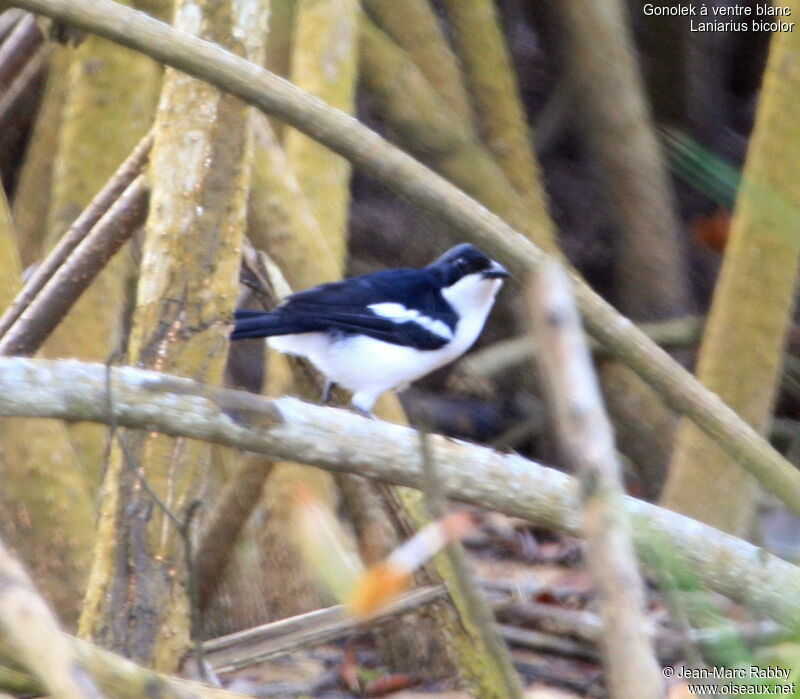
(110, 96)
(742, 349)
(138, 601)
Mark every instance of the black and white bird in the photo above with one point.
(381, 331)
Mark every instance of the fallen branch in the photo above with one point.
(251, 646)
(87, 260)
(338, 440)
(547, 643)
(366, 149)
(587, 628)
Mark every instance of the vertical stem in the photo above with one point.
(586, 439)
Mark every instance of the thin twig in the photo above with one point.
(506, 354)
(193, 587)
(182, 526)
(473, 609)
(89, 217)
(249, 647)
(72, 278)
(585, 436)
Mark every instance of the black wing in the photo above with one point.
(344, 307)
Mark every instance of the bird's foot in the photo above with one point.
(327, 393)
(363, 413)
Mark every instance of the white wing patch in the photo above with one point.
(398, 313)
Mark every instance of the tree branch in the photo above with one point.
(337, 440)
(104, 199)
(8, 20)
(48, 308)
(254, 645)
(368, 150)
(16, 97)
(585, 436)
(18, 48)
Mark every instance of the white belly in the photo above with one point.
(364, 364)
(367, 367)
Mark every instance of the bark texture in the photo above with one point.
(137, 602)
(110, 96)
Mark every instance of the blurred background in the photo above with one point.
(647, 150)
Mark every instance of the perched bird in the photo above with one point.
(381, 331)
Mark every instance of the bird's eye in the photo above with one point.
(462, 263)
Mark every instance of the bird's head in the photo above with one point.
(466, 260)
(470, 280)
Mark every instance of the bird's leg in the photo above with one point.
(362, 404)
(326, 392)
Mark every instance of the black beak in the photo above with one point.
(496, 271)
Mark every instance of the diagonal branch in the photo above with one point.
(368, 150)
(286, 428)
(104, 199)
(17, 49)
(86, 261)
(28, 626)
(16, 97)
(8, 20)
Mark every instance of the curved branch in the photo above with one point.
(337, 440)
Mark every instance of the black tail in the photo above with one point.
(265, 324)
